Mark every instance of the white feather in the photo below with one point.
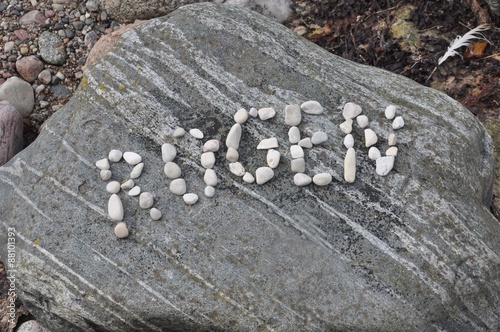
(464, 40)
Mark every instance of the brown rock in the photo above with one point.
(31, 17)
(21, 34)
(11, 131)
(29, 67)
(45, 76)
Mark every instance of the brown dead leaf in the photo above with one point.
(476, 49)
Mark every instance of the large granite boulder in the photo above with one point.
(416, 250)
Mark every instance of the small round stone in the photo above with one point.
(370, 138)
(346, 126)
(207, 159)
(301, 179)
(232, 155)
(263, 174)
(273, 158)
(298, 165)
(390, 112)
(211, 146)
(168, 152)
(349, 141)
(241, 116)
(136, 171)
(350, 166)
(121, 230)
(237, 169)
(294, 135)
(210, 178)
(293, 115)
(209, 191)
(312, 107)
(362, 121)
(374, 153)
(178, 187)
(115, 155)
(146, 200)
(398, 123)
(253, 112)
(105, 174)
(113, 187)
(172, 170)
(129, 184)
(115, 208)
(155, 214)
(196, 133)
(268, 143)
(102, 164)
(296, 151)
(179, 132)
(190, 198)
(266, 113)
(134, 191)
(392, 139)
(306, 143)
(132, 158)
(248, 178)
(322, 179)
(351, 110)
(384, 165)
(319, 137)
(392, 151)
(234, 136)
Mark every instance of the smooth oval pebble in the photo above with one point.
(190, 198)
(268, 143)
(172, 170)
(311, 107)
(113, 187)
(234, 136)
(232, 155)
(129, 184)
(296, 151)
(210, 177)
(136, 171)
(398, 123)
(273, 158)
(211, 146)
(209, 191)
(263, 174)
(301, 179)
(168, 152)
(392, 151)
(294, 135)
(207, 159)
(155, 214)
(121, 230)
(392, 139)
(134, 191)
(319, 137)
(306, 143)
(350, 166)
(248, 178)
(237, 169)
(132, 158)
(348, 141)
(374, 153)
(241, 116)
(322, 179)
(346, 126)
(178, 187)
(196, 133)
(115, 208)
(384, 165)
(115, 155)
(298, 165)
(266, 113)
(351, 110)
(293, 115)
(253, 112)
(105, 174)
(179, 132)
(390, 112)
(102, 164)
(362, 121)
(146, 200)
(370, 138)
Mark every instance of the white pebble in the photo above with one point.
(392, 151)
(155, 214)
(351, 110)
(301, 179)
(211, 146)
(210, 177)
(253, 112)
(384, 165)
(179, 132)
(350, 166)
(298, 165)
(268, 143)
(293, 115)
(306, 143)
(196, 133)
(207, 159)
(294, 135)
(263, 174)
(234, 137)
(319, 137)
(392, 139)
(132, 158)
(190, 198)
(266, 113)
(362, 121)
(168, 152)
(232, 155)
(311, 107)
(237, 169)
(241, 116)
(348, 141)
(248, 178)
(121, 230)
(374, 153)
(296, 151)
(390, 112)
(346, 126)
(129, 184)
(113, 187)
(115, 155)
(370, 138)
(178, 187)
(322, 179)
(105, 174)
(209, 191)
(102, 164)
(134, 191)
(273, 158)
(398, 123)
(172, 170)
(136, 171)
(146, 200)
(115, 208)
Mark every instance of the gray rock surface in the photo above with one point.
(417, 250)
(52, 48)
(20, 94)
(11, 131)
